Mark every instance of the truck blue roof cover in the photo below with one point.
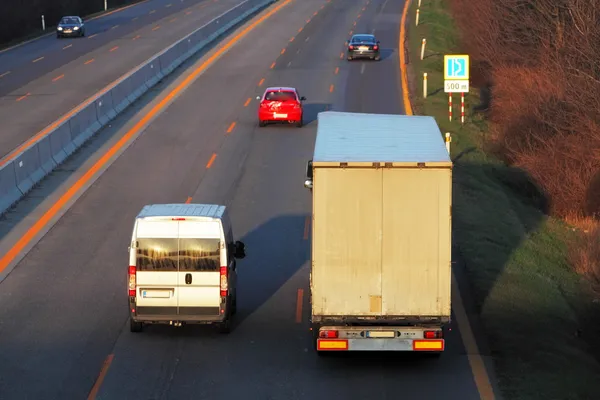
(361, 137)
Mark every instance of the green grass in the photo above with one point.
(530, 302)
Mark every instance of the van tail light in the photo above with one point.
(223, 281)
(375, 47)
(329, 334)
(432, 334)
(350, 47)
(132, 280)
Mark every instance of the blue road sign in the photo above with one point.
(456, 67)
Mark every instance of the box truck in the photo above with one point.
(381, 233)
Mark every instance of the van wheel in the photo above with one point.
(225, 326)
(135, 326)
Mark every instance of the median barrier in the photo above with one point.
(8, 186)
(105, 109)
(120, 95)
(25, 170)
(61, 143)
(28, 168)
(84, 124)
(45, 152)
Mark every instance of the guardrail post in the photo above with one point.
(43, 24)
(424, 85)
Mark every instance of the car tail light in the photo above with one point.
(350, 47)
(132, 280)
(224, 284)
(297, 105)
(432, 334)
(329, 334)
(375, 47)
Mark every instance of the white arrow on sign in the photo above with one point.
(456, 67)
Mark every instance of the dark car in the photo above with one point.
(363, 46)
(70, 26)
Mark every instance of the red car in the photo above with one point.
(280, 104)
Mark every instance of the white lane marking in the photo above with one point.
(362, 68)
(306, 40)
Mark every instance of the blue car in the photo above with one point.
(70, 26)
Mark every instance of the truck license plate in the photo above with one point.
(381, 334)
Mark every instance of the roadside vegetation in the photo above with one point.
(22, 20)
(526, 179)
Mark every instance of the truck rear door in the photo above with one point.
(416, 241)
(156, 264)
(347, 227)
(199, 268)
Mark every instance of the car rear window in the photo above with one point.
(363, 39)
(157, 255)
(69, 21)
(199, 255)
(280, 96)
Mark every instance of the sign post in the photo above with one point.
(456, 79)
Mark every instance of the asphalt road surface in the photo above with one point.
(64, 307)
(42, 80)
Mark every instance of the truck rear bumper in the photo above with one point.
(373, 344)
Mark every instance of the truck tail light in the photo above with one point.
(224, 285)
(132, 280)
(328, 334)
(432, 334)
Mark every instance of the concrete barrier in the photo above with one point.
(8, 186)
(19, 175)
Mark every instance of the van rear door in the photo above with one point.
(198, 281)
(156, 263)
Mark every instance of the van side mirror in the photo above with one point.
(240, 250)
(309, 169)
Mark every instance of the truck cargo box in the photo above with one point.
(381, 231)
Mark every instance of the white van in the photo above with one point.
(182, 266)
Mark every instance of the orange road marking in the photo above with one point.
(247, 102)
(261, 82)
(188, 201)
(23, 97)
(103, 372)
(211, 161)
(58, 78)
(231, 127)
(299, 298)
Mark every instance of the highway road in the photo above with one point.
(64, 322)
(42, 80)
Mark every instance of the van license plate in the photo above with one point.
(156, 294)
(381, 334)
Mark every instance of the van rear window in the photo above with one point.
(199, 255)
(157, 255)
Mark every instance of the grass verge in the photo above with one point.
(531, 303)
